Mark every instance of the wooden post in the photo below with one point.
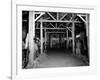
(57, 16)
(66, 38)
(31, 36)
(56, 24)
(41, 36)
(73, 36)
(45, 37)
(31, 30)
(87, 26)
(50, 41)
(87, 32)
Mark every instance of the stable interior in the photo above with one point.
(58, 32)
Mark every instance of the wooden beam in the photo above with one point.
(50, 42)
(66, 38)
(52, 25)
(31, 30)
(57, 15)
(41, 36)
(63, 16)
(82, 18)
(56, 32)
(51, 15)
(31, 36)
(39, 16)
(47, 18)
(51, 28)
(87, 33)
(69, 29)
(87, 25)
(70, 20)
(38, 12)
(58, 21)
(73, 36)
(45, 38)
(83, 15)
(56, 25)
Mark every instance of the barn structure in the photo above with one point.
(57, 30)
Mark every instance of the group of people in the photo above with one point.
(81, 45)
(29, 55)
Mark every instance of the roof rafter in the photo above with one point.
(51, 15)
(58, 21)
(82, 18)
(39, 16)
(69, 29)
(52, 25)
(63, 16)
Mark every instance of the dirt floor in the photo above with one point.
(59, 58)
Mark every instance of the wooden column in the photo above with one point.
(45, 37)
(87, 32)
(31, 30)
(73, 36)
(56, 24)
(57, 16)
(66, 38)
(87, 25)
(31, 35)
(50, 41)
(41, 36)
